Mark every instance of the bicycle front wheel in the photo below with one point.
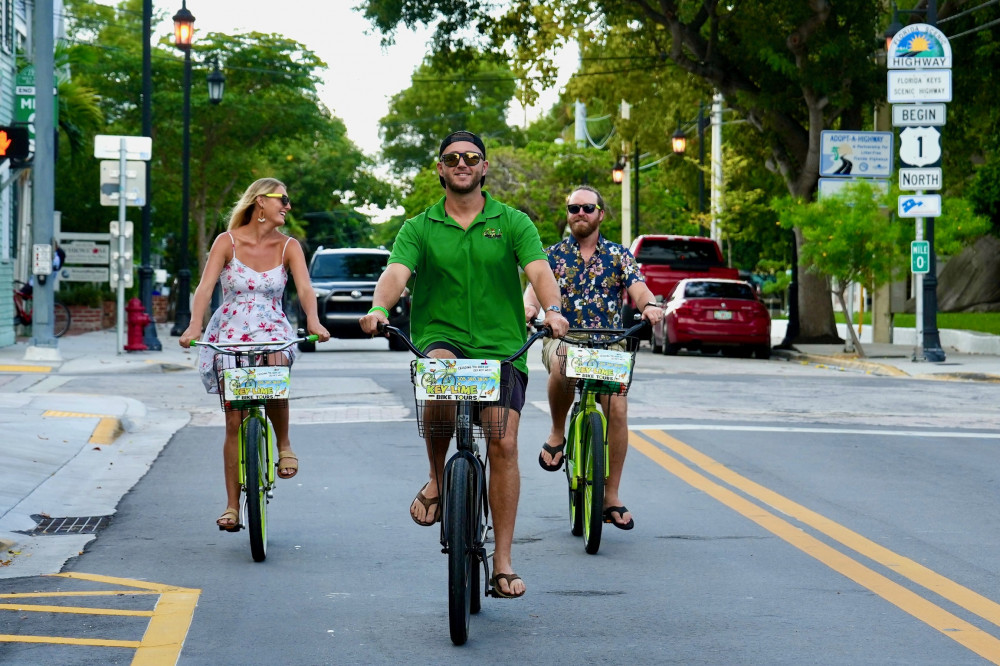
(575, 494)
(593, 490)
(458, 531)
(60, 319)
(255, 486)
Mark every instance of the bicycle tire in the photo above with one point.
(593, 490)
(575, 494)
(475, 587)
(61, 319)
(255, 487)
(458, 531)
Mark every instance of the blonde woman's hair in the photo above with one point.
(243, 210)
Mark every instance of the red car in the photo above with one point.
(712, 315)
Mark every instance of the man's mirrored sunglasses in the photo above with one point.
(284, 198)
(451, 159)
(587, 208)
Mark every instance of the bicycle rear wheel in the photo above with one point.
(255, 487)
(60, 319)
(458, 531)
(593, 490)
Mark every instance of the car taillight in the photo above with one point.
(685, 311)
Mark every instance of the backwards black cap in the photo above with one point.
(462, 135)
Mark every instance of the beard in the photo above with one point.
(472, 185)
(584, 228)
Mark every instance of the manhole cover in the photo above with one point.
(71, 525)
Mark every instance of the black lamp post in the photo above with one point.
(149, 337)
(678, 142)
(183, 33)
(931, 342)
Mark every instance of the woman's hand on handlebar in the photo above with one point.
(317, 329)
(192, 333)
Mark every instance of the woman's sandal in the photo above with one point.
(230, 515)
(510, 578)
(427, 504)
(287, 454)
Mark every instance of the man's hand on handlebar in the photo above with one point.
(369, 323)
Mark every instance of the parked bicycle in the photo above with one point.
(593, 368)
(462, 397)
(24, 309)
(259, 376)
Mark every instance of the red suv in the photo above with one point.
(666, 260)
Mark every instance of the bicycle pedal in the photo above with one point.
(269, 495)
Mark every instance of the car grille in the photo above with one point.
(341, 302)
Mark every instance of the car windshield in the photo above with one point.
(734, 290)
(677, 252)
(348, 267)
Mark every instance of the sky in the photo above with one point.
(361, 76)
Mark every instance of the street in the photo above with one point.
(784, 513)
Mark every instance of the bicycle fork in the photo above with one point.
(579, 423)
(269, 442)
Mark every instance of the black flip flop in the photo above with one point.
(552, 451)
(621, 511)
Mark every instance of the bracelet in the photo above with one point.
(379, 308)
(647, 305)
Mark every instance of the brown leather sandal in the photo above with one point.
(510, 578)
(230, 515)
(427, 503)
(287, 454)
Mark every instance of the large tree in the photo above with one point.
(791, 68)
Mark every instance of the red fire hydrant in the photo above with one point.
(137, 320)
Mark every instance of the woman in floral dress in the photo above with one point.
(253, 260)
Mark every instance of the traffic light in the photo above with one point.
(14, 144)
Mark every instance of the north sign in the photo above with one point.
(920, 179)
(918, 115)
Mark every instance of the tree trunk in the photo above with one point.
(816, 322)
(858, 349)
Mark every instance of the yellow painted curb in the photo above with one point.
(106, 431)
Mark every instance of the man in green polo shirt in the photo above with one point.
(463, 254)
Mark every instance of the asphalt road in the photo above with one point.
(785, 514)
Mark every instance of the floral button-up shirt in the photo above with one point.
(593, 292)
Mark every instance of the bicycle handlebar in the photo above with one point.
(278, 345)
(618, 334)
(392, 330)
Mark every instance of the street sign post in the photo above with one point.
(109, 147)
(920, 256)
(135, 183)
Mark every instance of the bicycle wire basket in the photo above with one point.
(248, 359)
(598, 386)
(436, 418)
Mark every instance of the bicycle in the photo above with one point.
(24, 309)
(465, 385)
(592, 369)
(255, 380)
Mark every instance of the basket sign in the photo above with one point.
(269, 382)
(456, 379)
(605, 364)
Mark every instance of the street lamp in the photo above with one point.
(183, 33)
(216, 84)
(678, 143)
(618, 176)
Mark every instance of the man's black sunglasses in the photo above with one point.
(451, 159)
(284, 198)
(587, 208)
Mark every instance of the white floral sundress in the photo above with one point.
(250, 311)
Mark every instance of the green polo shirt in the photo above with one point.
(466, 288)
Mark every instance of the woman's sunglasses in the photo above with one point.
(587, 208)
(284, 198)
(451, 159)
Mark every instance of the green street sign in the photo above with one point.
(920, 256)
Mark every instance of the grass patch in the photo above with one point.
(983, 322)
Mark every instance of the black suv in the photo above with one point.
(344, 280)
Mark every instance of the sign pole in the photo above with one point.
(918, 286)
(120, 263)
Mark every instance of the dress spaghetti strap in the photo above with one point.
(287, 241)
(233, 241)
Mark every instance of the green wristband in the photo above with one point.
(379, 308)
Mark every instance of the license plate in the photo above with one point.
(724, 315)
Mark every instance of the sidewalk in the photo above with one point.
(969, 356)
(67, 455)
(73, 455)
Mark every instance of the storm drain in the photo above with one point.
(71, 525)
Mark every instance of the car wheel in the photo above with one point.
(671, 348)
(657, 348)
(763, 352)
(709, 351)
(307, 347)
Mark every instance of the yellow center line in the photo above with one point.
(60, 640)
(952, 626)
(81, 610)
(983, 607)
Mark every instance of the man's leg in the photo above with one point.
(560, 400)
(428, 510)
(505, 489)
(617, 413)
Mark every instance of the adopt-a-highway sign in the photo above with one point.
(854, 154)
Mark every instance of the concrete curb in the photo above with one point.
(844, 362)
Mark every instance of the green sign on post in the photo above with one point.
(24, 102)
(920, 256)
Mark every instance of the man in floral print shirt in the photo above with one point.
(593, 275)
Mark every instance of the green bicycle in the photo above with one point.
(593, 370)
(255, 374)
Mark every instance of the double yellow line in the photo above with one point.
(952, 626)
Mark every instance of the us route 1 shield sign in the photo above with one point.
(920, 146)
